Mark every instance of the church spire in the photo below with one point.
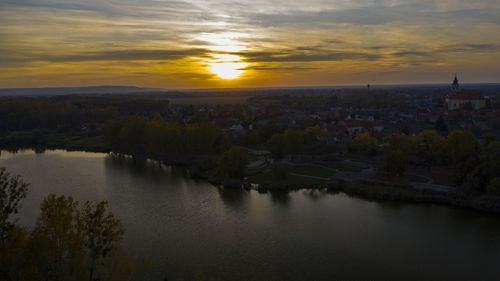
(455, 85)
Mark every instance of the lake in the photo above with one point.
(245, 235)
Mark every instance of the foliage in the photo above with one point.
(490, 159)
(494, 186)
(365, 143)
(58, 237)
(12, 191)
(153, 137)
(276, 146)
(441, 125)
(395, 162)
(398, 142)
(429, 147)
(69, 243)
(460, 146)
(102, 232)
(294, 142)
(316, 135)
(233, 163)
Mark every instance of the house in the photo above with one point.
(337, 132)
(362, 126)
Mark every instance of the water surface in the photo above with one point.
(241, 235)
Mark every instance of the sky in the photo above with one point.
(247, 43)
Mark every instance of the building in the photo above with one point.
(458, 99)
(354, 127)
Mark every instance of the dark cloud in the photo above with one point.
(297, 56)
(271, 68)
(470, 48)
(375, 15)
(117, 55)
(449, 49)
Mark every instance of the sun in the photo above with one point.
(227, 66)
(227, 70)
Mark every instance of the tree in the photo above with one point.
(58, 237)
(494, 186)
(398, 142)
(366, 144)
(441, 125)
(429, 147)
(12, 191)
(461, 147)
(395, 162)
(276, 146)
(318, 135)
(201, 137)
(294, 142)
(233, 163)
(102, 233)
(266, 131)
(490, 160)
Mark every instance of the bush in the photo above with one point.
(494, 187)
(395, 162)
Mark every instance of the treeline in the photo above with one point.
(158, 139)
(476, 168)
(69, 113)
(70, 241)
(295, 142)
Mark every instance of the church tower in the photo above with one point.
(455, 86)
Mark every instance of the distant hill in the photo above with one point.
(159, 93)
(38, 92)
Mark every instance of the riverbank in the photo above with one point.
(40, 140)
(376, 190)
(367, 189)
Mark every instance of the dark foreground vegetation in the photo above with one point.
(70, 241)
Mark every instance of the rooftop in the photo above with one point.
(467, 96)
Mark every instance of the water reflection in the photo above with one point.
(232, 197)
(144, 167)
(315, 194)
(280, 196)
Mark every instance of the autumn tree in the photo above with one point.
(365, 144)
(490, 166)
(276, 146)
(395, 162)
(294, 142)
(233, 163)
(429, 147)
(101, 233)
(461, 149)
(58, 237)
(12, 191)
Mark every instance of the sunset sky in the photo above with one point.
(247, 43)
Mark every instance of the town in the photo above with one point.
(282, 138)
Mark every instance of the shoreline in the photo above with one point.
(364, 189)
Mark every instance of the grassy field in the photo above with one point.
(307, 170)
(342, 166)
(268, 178)
(404, 179)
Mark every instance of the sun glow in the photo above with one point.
(227, 66)
(227, 70)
